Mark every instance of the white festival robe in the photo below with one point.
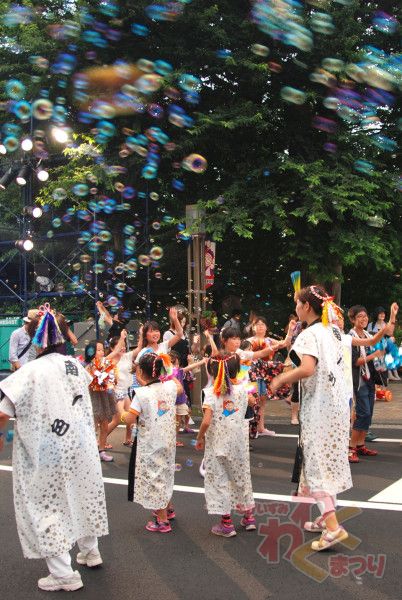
(324, 413)
(59, 494)
(155, 406)
(227, 457)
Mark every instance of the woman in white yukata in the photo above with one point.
(152, 463)
(59, 495)
(224, 434)
(324, 411)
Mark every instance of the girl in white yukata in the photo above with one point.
(152, 463)
(59, 496)
(324, 410)
(224, 435)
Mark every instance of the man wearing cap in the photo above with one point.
(20, 342)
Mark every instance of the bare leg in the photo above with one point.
(261, 424)
(294, 416)
(162, 515)
(358, 438)
(103, 427)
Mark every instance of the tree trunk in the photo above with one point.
(337, 284)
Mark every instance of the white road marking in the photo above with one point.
(380, 505)
(293, 435)
(392, 494)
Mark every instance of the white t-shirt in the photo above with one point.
(347, 359)
(163, 348)
(124, 377)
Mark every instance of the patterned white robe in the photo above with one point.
(324, 413)
(227, 458)
(59, 494)
(156, 444)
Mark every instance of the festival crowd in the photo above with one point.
(65, 408)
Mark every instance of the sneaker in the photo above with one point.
(157, 527)
(352, 455)
(329, 539)
(266, 432)
(91, 559)
(248, 523)
(179, 444)
(370, 437)
(316, 526)
(364, 451)
(188, 430)
(224, 530)
(105, 457)
(54, 584)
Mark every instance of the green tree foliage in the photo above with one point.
(272, 196)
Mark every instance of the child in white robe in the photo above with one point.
(59, 494)
(224, 435)
(152, 464)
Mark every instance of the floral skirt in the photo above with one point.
(266, 370)
(103, 405)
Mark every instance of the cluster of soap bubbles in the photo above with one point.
(357, 93)
(283, 20)
(101, 95)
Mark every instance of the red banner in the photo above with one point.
(210, 249)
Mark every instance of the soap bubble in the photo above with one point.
(293, 95)
(223, 53)
(42, 109)
(15, 89)
(156, 253)
(11, 143)
(189, 83)
(144, 260)
(260, 50)
(364, 166)
(195, 163)
(178, 185)
(80, 189)
(112, 301)
(128, 229)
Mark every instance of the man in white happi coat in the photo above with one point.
(59, 494)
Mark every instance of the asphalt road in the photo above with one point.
(190, 563)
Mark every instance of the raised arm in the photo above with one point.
(120, 347)
(387, 330)
(104, 312)
(72, 337)
(210, 338)
(138, 349)
(177, 328)
(285, 343)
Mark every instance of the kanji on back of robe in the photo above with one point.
(59, 493)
